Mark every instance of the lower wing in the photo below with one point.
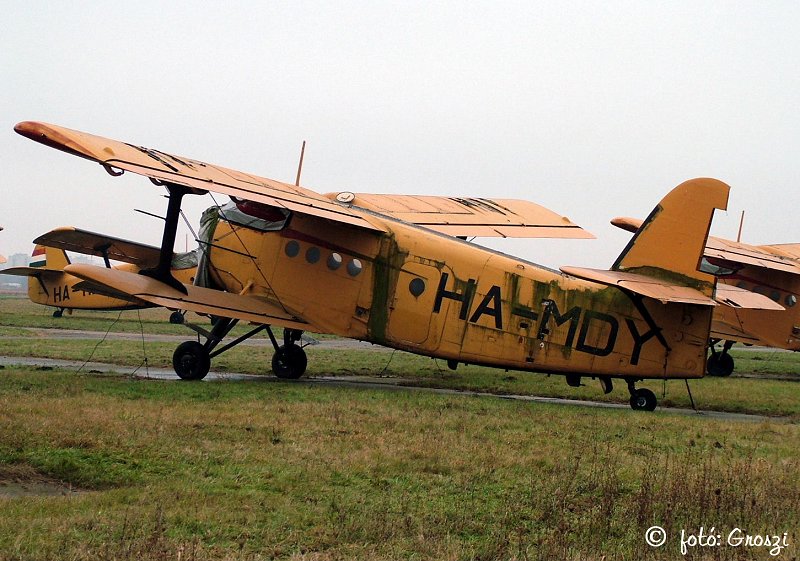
(198, 299)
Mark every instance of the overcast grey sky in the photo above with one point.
(593, 109)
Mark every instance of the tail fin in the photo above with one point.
(670, 242)
(662, 259)
(49, 258)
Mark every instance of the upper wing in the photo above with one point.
(757, 256)
(457, 216)
(197, 299)
(199, 176)
(453, 216)
(101, 245)
(791, 250)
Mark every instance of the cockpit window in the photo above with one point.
(254, 215)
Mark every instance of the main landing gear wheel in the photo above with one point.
(719, 364)
(643, 400)
(191, 361)
(289, 362)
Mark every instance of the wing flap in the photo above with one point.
(200, 300)
(91, 243)
(195, 174)
(461, 216)
(651, 287)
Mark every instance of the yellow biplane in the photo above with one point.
(769, 270)
(393, 270)
(49, 285)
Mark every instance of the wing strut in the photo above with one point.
(163, 271)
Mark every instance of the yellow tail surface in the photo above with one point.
(671, 241)
(49, 258)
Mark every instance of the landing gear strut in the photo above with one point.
(642, 399)
(720, 364)
(192, 359)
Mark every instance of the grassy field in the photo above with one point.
(257, 471)
(114, 467)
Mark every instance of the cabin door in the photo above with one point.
(411, 317)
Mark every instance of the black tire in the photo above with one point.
(643, 400)
(176, 318)
(289, 362)
(191, 361)
(719, 364)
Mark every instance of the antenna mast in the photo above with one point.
(741, 223)
(300, 165)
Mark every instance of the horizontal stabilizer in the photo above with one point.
(38, 272)
(200, 300)
(645, 285)
(736, 297)
(100, 245)
(464, 216)
(627, 223)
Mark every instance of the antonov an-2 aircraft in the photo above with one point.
(49, 285)
(393, 270)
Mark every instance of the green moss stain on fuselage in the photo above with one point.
(387, 267)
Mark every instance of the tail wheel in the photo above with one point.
(289, 362)
(719, 364)
(643, 400)
(191, 361)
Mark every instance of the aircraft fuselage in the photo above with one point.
(443, 297)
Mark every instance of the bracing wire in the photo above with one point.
(382, 372)
(144, 349)
(113, 323)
